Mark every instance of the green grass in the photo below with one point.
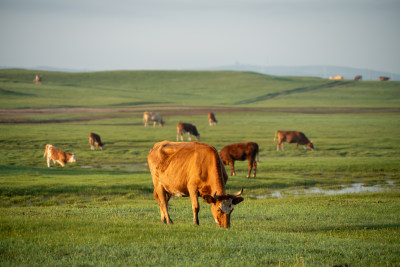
(101, 210)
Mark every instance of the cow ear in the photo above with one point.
(209, 199)
(237, 200)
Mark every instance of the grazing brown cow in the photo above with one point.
(358, 78)
(186, 128)
(240, 151)
(211, 119)
(154, 117)
(191, 169)
(38, 79)
(57, 155)
(383, 78)
(292, 137)
(94, 139)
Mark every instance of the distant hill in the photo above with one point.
(308, 71)
(312, 71)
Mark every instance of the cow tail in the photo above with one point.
(45, 151)
(276, 133)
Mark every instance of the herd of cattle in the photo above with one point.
(192, 169)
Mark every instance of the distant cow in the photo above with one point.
(358, 78)
(383, 78)
(191, 169)
(154, 117)
(38, 79)
(186, 128)
(94, 139)
(292, 137)
(240, 151)
(211, 119)
(57, 155)
(336, 78)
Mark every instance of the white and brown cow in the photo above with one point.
(292, 137)
(95, 140)
(56, 155)
(240, 151)
(183, 127)
(38, 79)
(154, 117)
(211, 119)
(191, 169)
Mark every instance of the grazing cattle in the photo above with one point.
(240, 151)
(57, 155)
(211, 119)
(94, 139)
(358, 78)
(191, 169)
(154, 117)
(336, 78)
(292, 137)
(38, 79)
(187, 128)
(383, 78)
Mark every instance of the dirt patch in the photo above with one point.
(19, 115)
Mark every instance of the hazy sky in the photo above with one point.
(183, 34)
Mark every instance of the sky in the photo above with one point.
(196, 34)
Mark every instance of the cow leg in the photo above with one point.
(154, 124)
(232, 164)
(189, 137)
(277, 147)
(250, 167)
(297, 145)
(48, 162)
(162, 197)
(282, 147)
(195, 204)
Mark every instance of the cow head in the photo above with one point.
(222, 207)
(310, 145)
(72, 158)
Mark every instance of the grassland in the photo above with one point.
(100, 211)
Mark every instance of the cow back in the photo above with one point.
(175, 165)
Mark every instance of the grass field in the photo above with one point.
(101, 210)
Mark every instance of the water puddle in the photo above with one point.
(355, 188)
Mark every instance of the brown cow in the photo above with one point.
(240, 151)
(211, 119)
(154, 117)
(383, 78)
(191, 169)
(57, 155)
(94, 139)
(292, 137)
(186, 128)
(357, 77)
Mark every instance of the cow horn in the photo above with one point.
(237, 193)
(218, 197)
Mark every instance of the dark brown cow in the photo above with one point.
(191, 169)
(211, 119)
(358, 78)
(54, 154)
(94, 139)
(292, 137)
(240, 151)
(182, 128)
(383, 78)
